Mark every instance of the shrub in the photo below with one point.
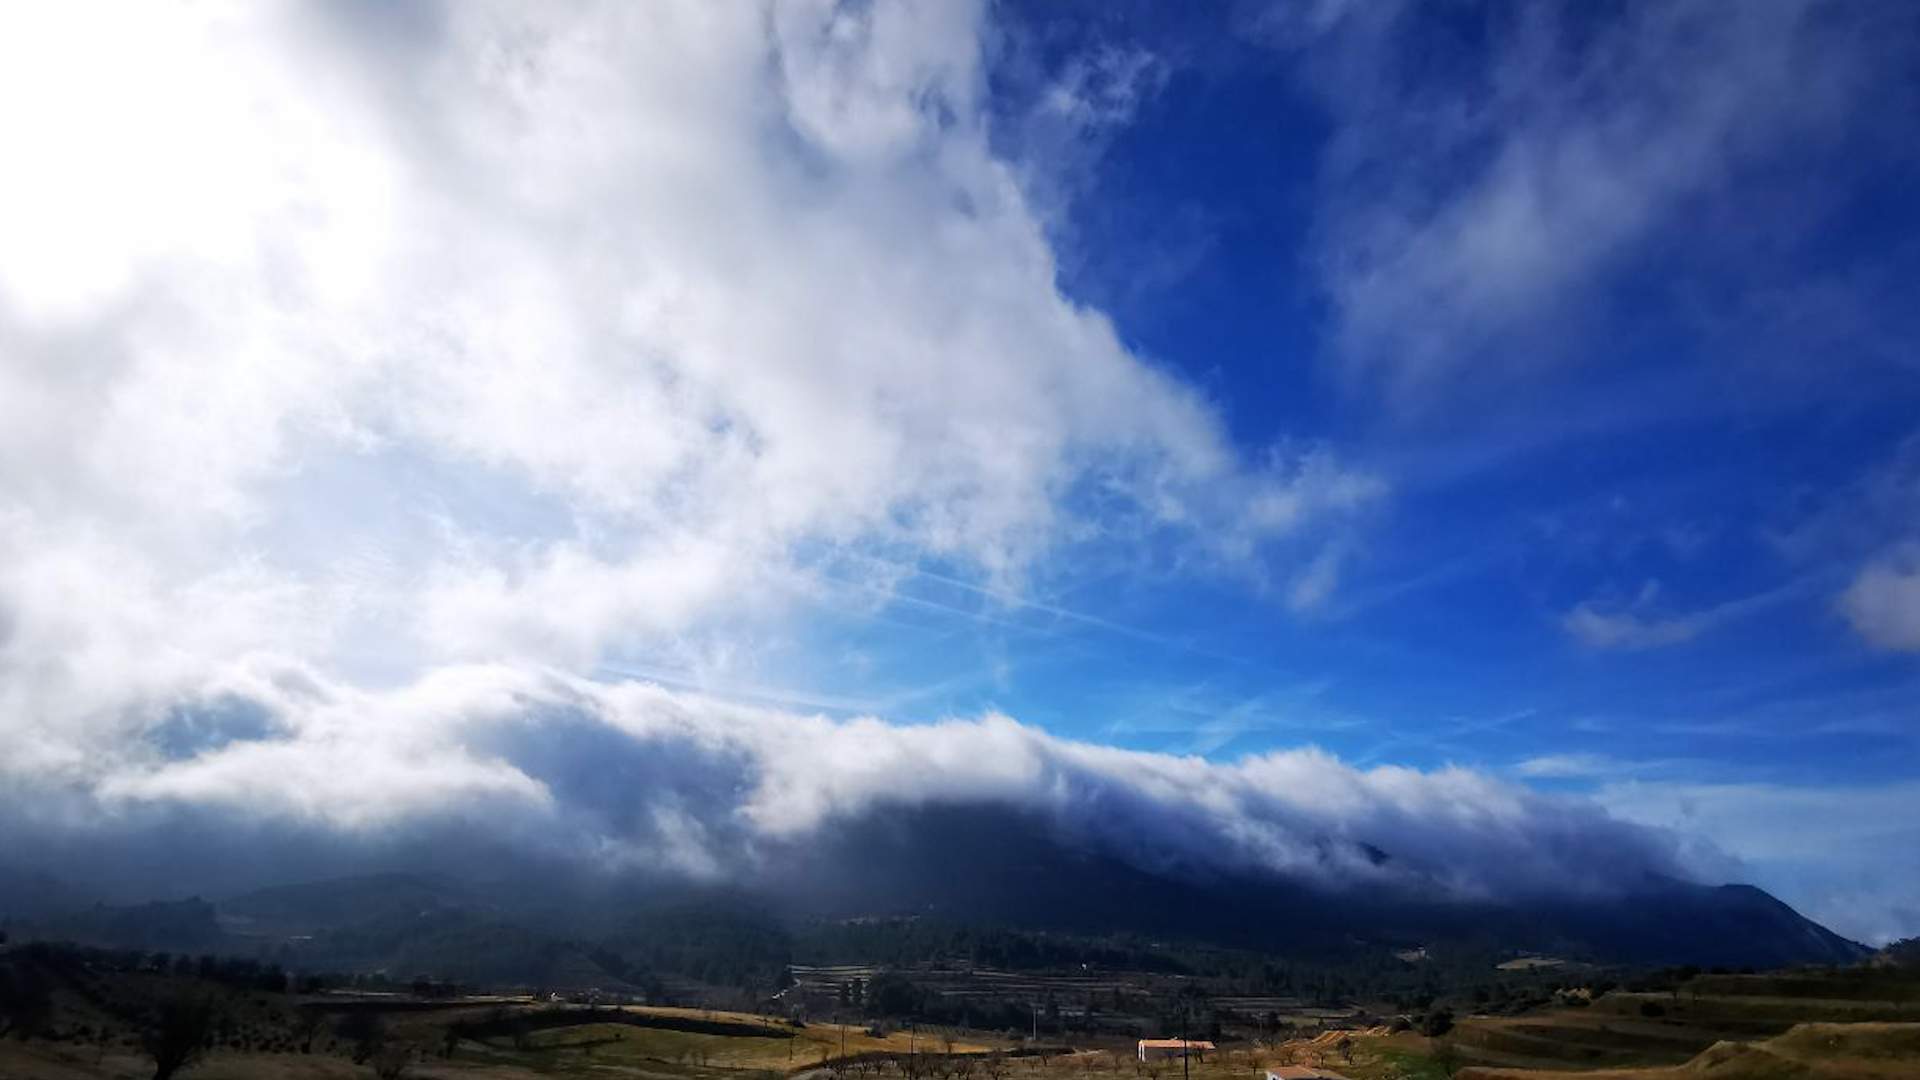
(1436, 1023)
(178, 1032)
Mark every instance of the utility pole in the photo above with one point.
(1186, 1044)
(1036, 1021)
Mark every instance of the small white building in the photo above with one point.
(1163, 1049)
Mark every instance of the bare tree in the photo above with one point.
(390, 1062)
(177, 1033)
(365, 1032)
(306, 1025)
(25, 1002)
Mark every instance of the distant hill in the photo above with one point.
(1904, 953)
(307, 907)
(29, 894)
(183, 926)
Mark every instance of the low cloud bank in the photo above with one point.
(633, 777)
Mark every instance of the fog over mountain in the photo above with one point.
(633, 778)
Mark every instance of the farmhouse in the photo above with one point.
(1162, 1049)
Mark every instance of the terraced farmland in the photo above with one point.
(1745, 1020)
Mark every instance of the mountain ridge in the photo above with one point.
(963, 865)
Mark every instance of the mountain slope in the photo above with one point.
(958, 865)
(979, 864)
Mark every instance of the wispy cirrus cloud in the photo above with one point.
(1494, 168)
(1644, 623)
(1627, 630)
(1570, 766)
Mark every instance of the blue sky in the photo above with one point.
(1524, 388)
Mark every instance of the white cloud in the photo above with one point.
(379, 339)
(1570, 766)
(1069, 110)
(1313, 585)
(632, 773)
(1103, 87)
(1480, 196)
(356, 364)
(1639, 625)
(1626, 630)
(1872, 524)
(1883, 602)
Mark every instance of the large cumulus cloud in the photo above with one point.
(386, 337)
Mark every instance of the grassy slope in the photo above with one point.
(1819, 1051)
(603, 1049)
(604, 1045)
(1811, 1024)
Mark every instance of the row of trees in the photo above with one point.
(945, 1065)
(177, 1010)
(179, 1030)
(174, 1030)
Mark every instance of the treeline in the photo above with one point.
(171, 1008)
(719, 944)
(912, 942)
(66, 959)
(235, 972)
(688, 951)
(175, 1010)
